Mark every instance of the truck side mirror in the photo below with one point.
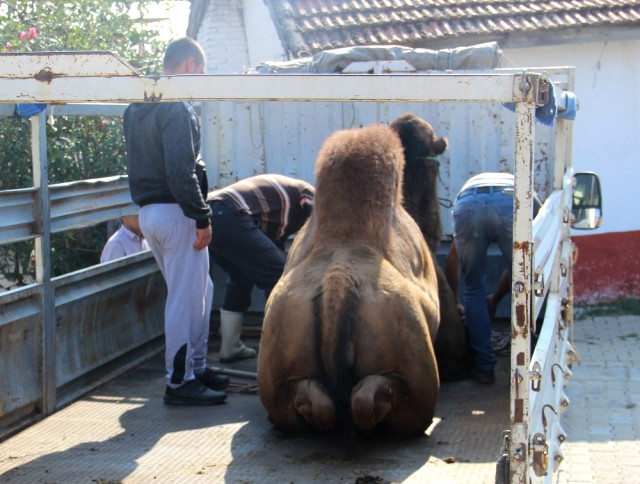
(586, 209)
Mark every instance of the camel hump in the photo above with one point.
(358, 183)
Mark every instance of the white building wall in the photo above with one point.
(222, 36)
(606, 136)
(262, 38)
(237, 35)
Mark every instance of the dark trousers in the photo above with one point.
(245, 253)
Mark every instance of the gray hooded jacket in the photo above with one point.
(163, 146)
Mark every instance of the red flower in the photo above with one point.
(33, 33)
(23, 35)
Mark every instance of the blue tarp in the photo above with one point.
(28, 110)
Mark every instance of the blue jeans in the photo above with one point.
(245, 253)
(479, 220)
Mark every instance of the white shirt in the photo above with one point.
(506, 180)
(123, 242)
(490, 179)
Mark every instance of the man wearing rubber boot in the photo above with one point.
(168, 182)
(251, 221)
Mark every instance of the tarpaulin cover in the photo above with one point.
(475, 57)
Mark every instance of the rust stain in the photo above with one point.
(45, 75)
(520, 359)
(520, 315)
(152, 97)
(518, 413)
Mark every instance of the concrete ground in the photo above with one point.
(122, 433)
(603, 418)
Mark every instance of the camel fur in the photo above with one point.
(348, 332)
(420, 194)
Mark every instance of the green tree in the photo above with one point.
(77, 148)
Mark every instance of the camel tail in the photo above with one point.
(334, 314)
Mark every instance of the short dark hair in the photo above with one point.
(180, 50)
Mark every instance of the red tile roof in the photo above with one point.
(310, 26)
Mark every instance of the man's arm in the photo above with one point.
(503, 288)
(452, 273)
(452, 268)
(180, 146)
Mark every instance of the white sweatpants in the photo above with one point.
(171, 235)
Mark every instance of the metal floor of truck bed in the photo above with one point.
(123, 433)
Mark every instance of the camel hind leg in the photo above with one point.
(300, 405)
(380, 399)
(313, 403)
(373, 399)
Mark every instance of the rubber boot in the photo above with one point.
(231, 348)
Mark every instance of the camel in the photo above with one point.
(420, 198)
(348, 332)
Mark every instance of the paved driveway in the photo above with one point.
(603, 418)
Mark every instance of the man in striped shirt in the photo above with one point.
(251, 221)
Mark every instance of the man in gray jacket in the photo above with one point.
(168, 182)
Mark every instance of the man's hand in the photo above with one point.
(203, 237)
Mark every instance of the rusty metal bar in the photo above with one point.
(263, 87)
(46, 66)
(238, 373)
(521, 310)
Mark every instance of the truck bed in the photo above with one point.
(123, 433)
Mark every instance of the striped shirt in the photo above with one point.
(282, 204)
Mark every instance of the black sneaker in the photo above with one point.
(193, 393)
(486, 377)
(213, 380)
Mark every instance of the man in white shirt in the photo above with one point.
(126, 240)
